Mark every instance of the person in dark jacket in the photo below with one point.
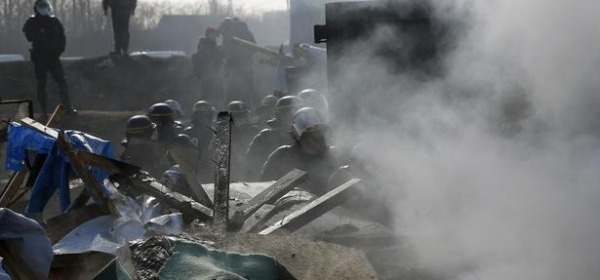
(166, 128)
(310, 153)
(48, 42)
(208, 62)
(269, 139)
(120, 12)
(238, 67)
(242, 133)
(202, 131)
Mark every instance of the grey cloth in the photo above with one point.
(28, 243)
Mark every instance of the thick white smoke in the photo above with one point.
(494, 167)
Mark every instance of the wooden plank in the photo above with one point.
(223, 153)
(254, 47)
(12, 187)
(187, 160)
(57, 115)
(143, 183)
(90, 181)
(314, 209)
(40, 127)
(19, 177)
(108, 163)
(271, 194)
(17, 197)
(255, 222)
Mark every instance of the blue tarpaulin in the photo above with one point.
(54, 174)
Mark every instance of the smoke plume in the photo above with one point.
(493, 164)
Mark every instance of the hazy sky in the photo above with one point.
(255, 5)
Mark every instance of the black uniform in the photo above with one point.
(47, 37)
(167, 131)
(120, 11)
(205, 137)
(239, 64)
(241, 136)
(208, 62)
(263, 144)
(290, 157)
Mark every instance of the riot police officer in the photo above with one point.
(310, 152)
(162, 115)
(269, 139)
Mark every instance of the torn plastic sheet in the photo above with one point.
(191, 260)
(165, 224)
(55, 171)
(107, 234)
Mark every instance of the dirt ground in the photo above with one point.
(104, 84)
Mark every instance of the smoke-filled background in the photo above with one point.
(492, 166)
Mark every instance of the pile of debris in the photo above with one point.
(138, 228)
(125, 224)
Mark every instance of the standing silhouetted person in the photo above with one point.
(208, 62)
(120, 11)
(47, 37)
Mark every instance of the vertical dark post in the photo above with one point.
(30, 108)
(223, 154)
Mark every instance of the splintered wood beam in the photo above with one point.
(109, 164)
(187, 160)
(314, 209)
(12, 187)
(18, 178)
(90, 181)
(271, 194)
(256, 222)
(223, 153)
(40, 127)
(57, 115)
(143, 183)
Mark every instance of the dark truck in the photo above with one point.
(397, 38)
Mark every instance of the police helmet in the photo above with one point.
(176, 107)
(317, 100)
(139, 126)
(269, 101)
(284, 110)
(203, 111)
(160, 112)
(307, 119)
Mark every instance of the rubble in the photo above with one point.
(139, 236)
